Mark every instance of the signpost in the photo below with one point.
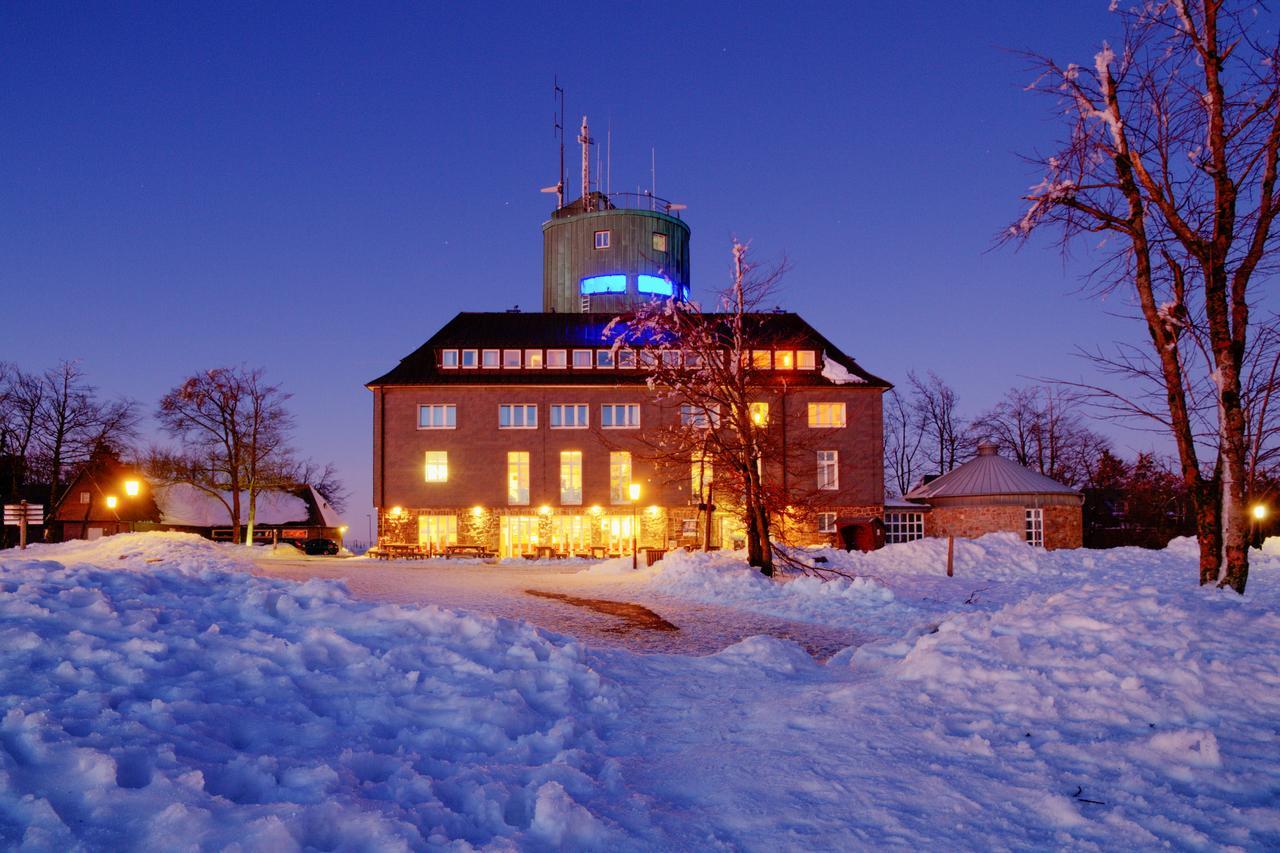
(21, 515)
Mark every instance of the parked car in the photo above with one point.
(318, 547)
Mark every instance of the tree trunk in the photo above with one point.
(1204, 496)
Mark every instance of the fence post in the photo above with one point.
(951, 554)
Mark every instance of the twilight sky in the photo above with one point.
(316, 188)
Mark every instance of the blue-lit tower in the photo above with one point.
(607, 252)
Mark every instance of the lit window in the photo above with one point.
(582, 359)
(659, 242)
(689, 528)
(700, 477)
(511, 359)
(533, 359)
(700, 416)
(760, 414)
(655, 284)
(826, 415)
(490, 358)
(620, 477)
(437, 466)
(449, 359)
(1035, 527)
(620, 415)
(602, 239)
(806, 360)
(518, 416)
(761, 359)
(518, 477)
(671, 358)
(438, 416)
(594, 284)
(84, 497)
(436, 532)
(903, 527)
(571, 477)
(784, 359)
(570, 415)
(828, 470)
(826, 522)
(469, 358)
(556, 359)
(604, 359)
(626, 358)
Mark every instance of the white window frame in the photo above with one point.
(533, 359)
(445, 410)
(604, 359)
(570, 465)
(620, 491)
(583, 409)
(475, 359)
(511, 359)
(445, 359)
(1033, 530)
(626, 359)
(703, 418)
(554, 355)
(828, 416)
(497, 359)
(806, 359)
(903, 526)
(585, 356)
(439, 466)
(602, 243)
(826, 522)
(518, 486)
(525, 409)
(829, 460)
(627, 409)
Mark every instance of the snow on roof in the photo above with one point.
(899, 503)
(837, 373)
(328, 515)
(989, 474)
(185, 505)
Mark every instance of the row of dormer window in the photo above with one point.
(608, 359)
(615, 415)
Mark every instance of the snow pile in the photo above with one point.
(173, 698)
(836, 373)
(722, 577)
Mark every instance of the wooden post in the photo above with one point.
(22, 525)
(951, 555)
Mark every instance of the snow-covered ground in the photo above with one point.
(162, 691)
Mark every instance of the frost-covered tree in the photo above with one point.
(1171, 151)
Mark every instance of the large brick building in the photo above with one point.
(518, 431)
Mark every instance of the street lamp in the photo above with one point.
(112, 501)
(342, 532)
(1259, 512)
(634, 491)
(132, 487)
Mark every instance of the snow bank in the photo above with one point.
(153, 693)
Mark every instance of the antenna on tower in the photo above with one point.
(608, 158)
(557, 122)
(585, 138)
(653, 171)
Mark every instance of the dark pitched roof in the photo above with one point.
(515, 330)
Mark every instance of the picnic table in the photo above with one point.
(468, 551)
(399, 551)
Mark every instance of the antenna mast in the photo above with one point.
(559, 123)
(585, 138)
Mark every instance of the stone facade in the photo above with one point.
(1063, 524)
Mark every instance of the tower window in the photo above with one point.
(603, 284)
(654, 284)
(659, 242)
(602, 239)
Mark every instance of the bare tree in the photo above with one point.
(902, 444)
(709, 374)
(233, 428)
(1172, 147)
(1042, 429)
(945, 433)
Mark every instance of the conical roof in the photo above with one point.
(989, 473)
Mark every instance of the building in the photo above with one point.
(110, 496)
(524, 432)
(990, 494)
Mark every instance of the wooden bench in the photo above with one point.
(478, 551)
(399, 552)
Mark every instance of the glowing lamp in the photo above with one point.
(595, 510)
(342, 529)
(132, 487)
(634, 491)
(544, 510)
(1259, 512)
(397, 511)
(112, 500)
(477, 511)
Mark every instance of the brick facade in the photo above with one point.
(1063, 524)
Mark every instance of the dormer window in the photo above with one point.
(582, 359)
(470, 359)
(491, 359)
(604, 359)
(557, 359)
(602, 239)
(806, 359)
(761, 359)
(449, 359)
(511, 359)
(533, 359)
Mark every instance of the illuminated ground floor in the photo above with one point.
(596, 531)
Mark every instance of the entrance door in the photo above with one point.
(93, 533)
(616, 530)
(518, 534)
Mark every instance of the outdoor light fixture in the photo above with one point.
(1259, 512)
(112, 500)
(396, 511)
(477, 511)
(544, 510)
(132, 487)
(634, 491)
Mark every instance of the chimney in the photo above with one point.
(988, 448)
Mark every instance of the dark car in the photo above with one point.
(319, 547)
